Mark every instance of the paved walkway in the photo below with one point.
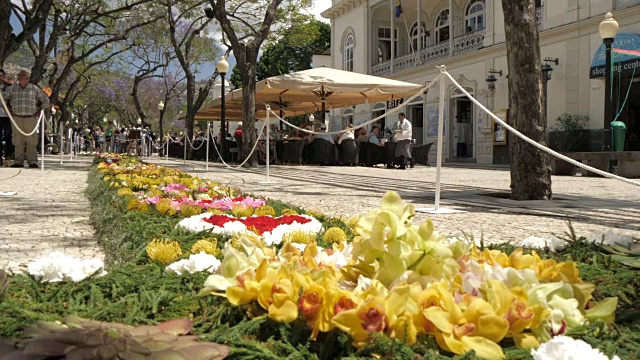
(593, 205)
(48, 213)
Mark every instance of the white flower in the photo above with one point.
(537, 242)
(336, 259)
(566, 348)
(57, 267)
(195, 263)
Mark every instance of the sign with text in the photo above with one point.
(394, 103)
(623, 63)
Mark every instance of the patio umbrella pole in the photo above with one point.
(268, 146)
(208, 136)
(61, 132)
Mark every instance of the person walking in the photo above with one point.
(25, 100)
(6, 146)
(403, 136)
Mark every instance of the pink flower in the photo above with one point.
(153, 200)
(175, 188)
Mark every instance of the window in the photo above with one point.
(384, 44)
(414, 36)
(347, 117)
(348, 52)
(442, 26)
(474, 19)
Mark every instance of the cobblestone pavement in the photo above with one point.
(593, 205)
(48, 213)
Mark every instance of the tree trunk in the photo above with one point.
(249, 82)
(191, 112)
(5, 29)
(530, 167)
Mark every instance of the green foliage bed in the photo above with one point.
(138, 292)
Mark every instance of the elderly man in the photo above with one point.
(25, 101)
(403, 136)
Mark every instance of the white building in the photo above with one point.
(468, 37)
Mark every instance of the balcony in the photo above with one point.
(432, 54)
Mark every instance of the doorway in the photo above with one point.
(461, 134)
(416, 115)
(630, 113)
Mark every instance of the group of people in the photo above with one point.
(111, 139)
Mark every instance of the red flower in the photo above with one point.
(261, 223)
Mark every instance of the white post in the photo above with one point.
(166, 154)
(440, 134)
(42, 141)
(208, 136)
(61, 132)
(143, 144)
(451, 28)
(184, 140)
(268, 148)
(71, 144)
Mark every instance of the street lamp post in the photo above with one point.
(161, 110)
(546, 76)
(223, 67)
(608, 30)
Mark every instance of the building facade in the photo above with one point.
(384, 38)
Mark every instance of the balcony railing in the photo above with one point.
(468, 42)
(622, 4)
(431, 54)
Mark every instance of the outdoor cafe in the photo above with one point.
(306, 95)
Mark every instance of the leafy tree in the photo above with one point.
(530, 167)
(292, 52)
(245, 27)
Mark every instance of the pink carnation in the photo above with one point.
(175, 188)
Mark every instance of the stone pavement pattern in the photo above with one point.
(593, 205)
(48, 213)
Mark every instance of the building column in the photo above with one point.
(419, 22)
(489, 23)
(451, 36)
(369, 45)
(393, 36)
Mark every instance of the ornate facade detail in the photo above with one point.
(468, 42)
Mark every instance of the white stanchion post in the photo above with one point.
(208, 138)
(268, 149)
(61, 132)
(440, 138)
(443, 92)
(184, 140)
(42, 143)
(166, 154)
(143, 145)
(71, 144)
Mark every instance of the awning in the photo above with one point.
(624, 60)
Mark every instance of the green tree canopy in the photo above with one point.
(293, 52)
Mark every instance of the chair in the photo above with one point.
(420, 153)
(374, 154)
(323, 152)
(363, 153)
(348, 152)
(293, 152)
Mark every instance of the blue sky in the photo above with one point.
(208, 69)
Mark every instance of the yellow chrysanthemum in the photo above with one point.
(286, 212)
(299, 237)
(106, 178)
(251, 236)
(164, 207)
(137, 205)
(315, 213)
(352, 222)
(265, 210)
(163, 251)
(208, 245)
(190, 210)
(124, 192)
(334, 235)
(215, 211)
(241, 210)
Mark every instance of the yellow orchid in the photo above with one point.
(401, 307)
(359, 322)
(472, 326)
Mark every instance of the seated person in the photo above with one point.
(348, 134)
(373, 136)
(362, 136)
(328, 137)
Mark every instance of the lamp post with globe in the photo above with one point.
(608, 30)
(223, 67)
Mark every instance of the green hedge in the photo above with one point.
(138, 292)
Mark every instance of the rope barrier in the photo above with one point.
(6, 108)
(191, 144)
(391, 112)
(535, 143)
(255, 146)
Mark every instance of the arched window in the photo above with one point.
(348, 52)
(384, 52)
(474, 19)
(347, 117)
(414, 36)
(442, 26)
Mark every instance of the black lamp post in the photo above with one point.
(546, 76)
(491, 79)
(608, 30)
(223, 67)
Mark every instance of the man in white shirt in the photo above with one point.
(402, 137)
(347, 134)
